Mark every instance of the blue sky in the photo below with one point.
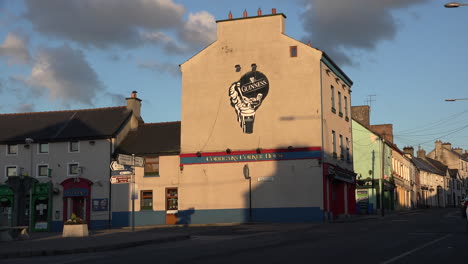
(406, 55)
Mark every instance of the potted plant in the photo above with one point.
(75, 227)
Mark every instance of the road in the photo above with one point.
(422, 236)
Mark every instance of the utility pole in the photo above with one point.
(373, 185)
(382, 196)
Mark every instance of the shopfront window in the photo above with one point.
(172, 199)
(146, 200)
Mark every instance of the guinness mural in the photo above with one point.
(247, 95)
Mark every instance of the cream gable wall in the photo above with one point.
(289, 116)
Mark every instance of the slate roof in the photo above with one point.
(426, 166)
(63, 125)
(152, 138)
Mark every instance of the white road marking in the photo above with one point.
(415, 249)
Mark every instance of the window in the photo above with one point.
(339, 104)
(146, 202)
(347, 149)
(43, 170)
(346, 107)
(12, 149)
(293, 51)
(171, 199)
(73, 169)
(334, 143)
(74, 146)
(333, 99)
(152, 166)
(44, 148)
(11, 171)
(341, 148)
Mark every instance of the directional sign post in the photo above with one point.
(128, 160)
(120, 179)
(115, 166)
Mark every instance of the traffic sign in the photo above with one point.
(126, 172)
(128, 160)
(120, 179)
(115, 166)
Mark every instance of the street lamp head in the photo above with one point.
(452, 5)
(29, 140)
(450, 100)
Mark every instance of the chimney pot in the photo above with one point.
(273, 10)
(245, 13)
(230, 15)
(134, 94)
(309, 44)
(259, 12)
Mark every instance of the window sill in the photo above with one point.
(333, 110)
(151, 175)
(340, 114)
(347, 119)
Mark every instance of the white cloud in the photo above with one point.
(121, 23)
(336, 26)
(15, 48)
(200, 28)
(64, 74)
(25, 108)
(160, 67)
(103, 23)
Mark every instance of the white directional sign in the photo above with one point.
(120, 179)
(115, 166)
(126, 172)
(128, 160)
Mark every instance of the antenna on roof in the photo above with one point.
(370, 98)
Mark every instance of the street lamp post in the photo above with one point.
(454, 5)
(29, 141)
(453, 100)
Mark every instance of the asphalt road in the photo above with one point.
(422, 236)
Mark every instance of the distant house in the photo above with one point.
(453, 158)
(62, 159)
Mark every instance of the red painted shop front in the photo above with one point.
(76, 198)
(338, 183)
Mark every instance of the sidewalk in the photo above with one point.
(49, 243)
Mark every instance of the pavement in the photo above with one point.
(50, 243)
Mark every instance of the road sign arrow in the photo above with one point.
(115, 166)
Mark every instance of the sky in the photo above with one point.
(405, 57)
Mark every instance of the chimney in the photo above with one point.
(447, 145)
(245, 13)
(134, 105)
(273, 11)
(409, 150)
(230, 15)
(385, 130)
(309, 44)
(361, 114)
(458, 150)
(259, 12)
(421, 153)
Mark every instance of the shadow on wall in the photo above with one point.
(292, 193)
(184, 217)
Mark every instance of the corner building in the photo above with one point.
(265, 130)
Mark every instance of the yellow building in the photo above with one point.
(265, 129)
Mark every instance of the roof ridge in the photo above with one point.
(63, 111)
(157, 123)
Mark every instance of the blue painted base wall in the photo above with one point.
(193, 216)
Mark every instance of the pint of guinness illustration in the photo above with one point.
(247, 95)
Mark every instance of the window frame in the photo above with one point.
(340, 113)
(150, 163)
(38, 170)
(68, 169)
(334, 143)
(346, 107)
(39, 148)
(8, 153)
(142, 200)
(293, 51)
(332, 88)
(11, 166)
(173, 197)
(70, 144)
(341, 147)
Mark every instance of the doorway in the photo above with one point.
(172, 206)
